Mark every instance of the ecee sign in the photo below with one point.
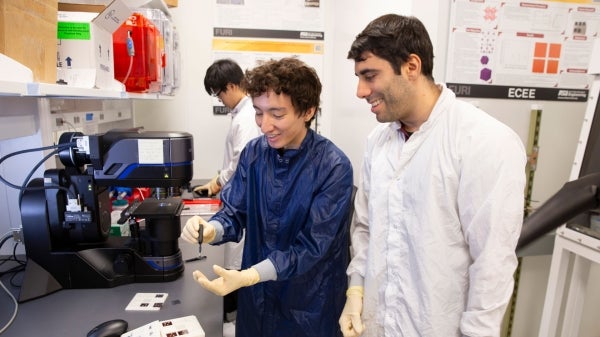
(520, 93)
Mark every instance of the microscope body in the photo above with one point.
(66, 215)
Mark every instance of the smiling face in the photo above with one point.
(284, 127)
(390, 95)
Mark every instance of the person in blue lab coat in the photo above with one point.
(291, 192)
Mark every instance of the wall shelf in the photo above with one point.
(12, 88)
(35, 89)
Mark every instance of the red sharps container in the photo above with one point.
(138, 55)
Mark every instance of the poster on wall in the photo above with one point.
(279, 29)
(532, 50)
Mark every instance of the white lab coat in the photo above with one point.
(243, 129)
(437, 219)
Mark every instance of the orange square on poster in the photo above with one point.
(538, 65)
(554, 51)
(552, 67)
(540, 49)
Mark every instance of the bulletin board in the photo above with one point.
(279, 29)
(531, 50)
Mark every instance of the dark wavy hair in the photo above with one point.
(288, 76)
(393, 38)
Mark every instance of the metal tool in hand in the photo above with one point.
(200, 237)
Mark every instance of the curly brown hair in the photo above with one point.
(289, 76)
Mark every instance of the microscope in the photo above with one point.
(66, 215)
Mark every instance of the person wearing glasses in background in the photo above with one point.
(292, 194)
(223, 80)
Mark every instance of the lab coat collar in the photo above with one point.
(290, 153)
(406, 150)
(440, 106)
(245, 100)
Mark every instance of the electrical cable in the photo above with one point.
(131, 53)
(13, 258)
(128, 70)
(5, 237)
(27, 151)
(141, 193)
(59, 146)
(70, 125)
(31, 172)
(14, 312)
(15, 269)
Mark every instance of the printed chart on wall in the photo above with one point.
(280, 28)
(533, 50)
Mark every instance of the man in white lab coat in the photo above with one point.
(439, 206)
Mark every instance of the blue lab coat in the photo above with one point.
(295, 208)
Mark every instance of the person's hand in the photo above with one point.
(350, 321)
(229, 280)
(212, 187)
(190, 230)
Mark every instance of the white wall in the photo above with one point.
(191, 109)
(352, 119)
(13, 169)
(348, 120)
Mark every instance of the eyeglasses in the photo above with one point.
(215, 94)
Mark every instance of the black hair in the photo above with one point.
(394, 38)
(221, 73)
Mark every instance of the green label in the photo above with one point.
(73, 31)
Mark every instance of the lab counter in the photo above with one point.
(74, 312)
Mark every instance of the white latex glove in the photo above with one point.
(189, 233)
(229, 280)
(350, 321)
(212, 187)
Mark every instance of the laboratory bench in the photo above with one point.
(74, 312)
